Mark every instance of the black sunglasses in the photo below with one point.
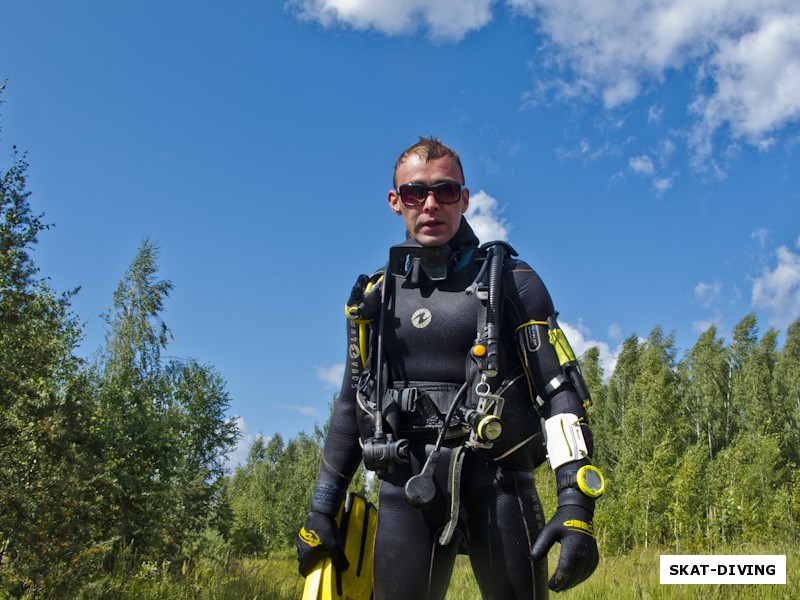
(415, 194)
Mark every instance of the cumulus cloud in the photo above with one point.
(445, 20)
(746, 55)
(578, 336)
(777, 291)
(613, 46)
(757, 78)
(662, 184)
(585, 152)
(743, 55)
(483, 216)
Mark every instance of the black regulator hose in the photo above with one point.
(493, 311)
(379, 434)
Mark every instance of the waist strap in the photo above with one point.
(423, 404)
(414, 395)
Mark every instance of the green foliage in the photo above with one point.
(700, 452)
(122, 457)
(45, 441)
(705, 387)
(270, 494)
(162, 424)
(250, 491)
(786, 392)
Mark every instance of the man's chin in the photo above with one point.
(432, 240)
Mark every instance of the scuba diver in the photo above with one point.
(458, 384)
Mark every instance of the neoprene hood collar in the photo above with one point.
(415, 262)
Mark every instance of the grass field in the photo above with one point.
(634, 576)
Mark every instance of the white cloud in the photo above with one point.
(614, 331)
(642, 165)
(757, 79)
(577, 335)
(665, 150)
(331, 376)
(482, 216)
(742, 56)
(747, 56)
(707, 293)
(778, 291)
(445, 20)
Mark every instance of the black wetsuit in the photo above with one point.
(430, 328)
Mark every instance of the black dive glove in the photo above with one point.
(572, 527)
(317, 539)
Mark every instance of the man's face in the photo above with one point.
(430, 223)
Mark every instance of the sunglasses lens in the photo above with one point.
(414, 194)
(447, 192)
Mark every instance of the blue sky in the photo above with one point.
(642, 156)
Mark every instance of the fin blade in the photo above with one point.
(357, 522)
(318, 580)
(359, 542)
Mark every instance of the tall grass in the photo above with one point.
(275, 578)
(636, 576)
(631, 577)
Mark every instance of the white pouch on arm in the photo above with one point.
(564, 438)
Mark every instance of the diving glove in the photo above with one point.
(319, 538)
(572, 527)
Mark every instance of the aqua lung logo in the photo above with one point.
(354, 351)
(421, 318)
(532, 338)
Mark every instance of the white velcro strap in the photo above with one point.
(565, 441)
